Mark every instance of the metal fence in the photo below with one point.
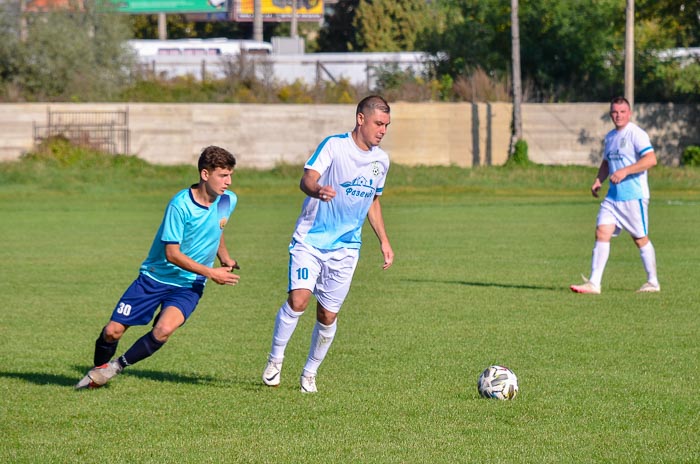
(106, 131)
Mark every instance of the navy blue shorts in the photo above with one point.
(144, 296)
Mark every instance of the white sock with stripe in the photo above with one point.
(285, 323)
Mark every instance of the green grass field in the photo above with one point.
(484, 259)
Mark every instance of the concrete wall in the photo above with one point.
(573, 133)
(461, 134)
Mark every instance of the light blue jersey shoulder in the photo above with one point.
(196, 228)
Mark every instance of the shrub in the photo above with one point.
(691, 156)
(59, 151)
(519, 156)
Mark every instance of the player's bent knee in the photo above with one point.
(162, 334)
(324, 316)
(164, 328)
(113, 331)
(299, 300)
(604, 234)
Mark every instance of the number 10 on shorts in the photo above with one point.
(302, 273)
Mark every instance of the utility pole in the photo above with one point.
(22, 22)
(293, 26)
(629, 52)
(517, 85)
(257, 20)
(162, 26)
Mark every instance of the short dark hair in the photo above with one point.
(371, 103)
(214, 157)
(619, 100)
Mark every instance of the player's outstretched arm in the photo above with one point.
(376, 220)
(603, 171)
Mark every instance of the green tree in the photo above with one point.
(567, 48)
(571, 51)
(339, 34)
(69, 54)
(662, 26)
(9, 41)
(679, 19)
(469, 34)
(390, 25)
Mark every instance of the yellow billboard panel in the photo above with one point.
(279, 10)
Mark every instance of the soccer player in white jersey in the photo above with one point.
(173, 276)
(343, 181)
(627, 158)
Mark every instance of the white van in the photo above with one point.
(146, 48)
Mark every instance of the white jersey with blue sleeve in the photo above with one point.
(356, 176)
(623, 148)
(196, 228)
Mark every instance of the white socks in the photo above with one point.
(321, 339)
(648, 255)
(285, 323)
(601, 252)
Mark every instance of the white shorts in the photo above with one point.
(327, 273)
(631, 216)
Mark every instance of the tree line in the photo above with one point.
(571, 51)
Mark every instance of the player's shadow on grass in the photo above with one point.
(485, 284)
(163, 376)
(158, 376)
(42, 378)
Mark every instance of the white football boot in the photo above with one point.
(308, 383)
(272, 373)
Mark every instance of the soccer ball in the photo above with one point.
(498, 382)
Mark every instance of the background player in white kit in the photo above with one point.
(627, 157)
(343, 179)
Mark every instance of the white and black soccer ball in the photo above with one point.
(498, 382)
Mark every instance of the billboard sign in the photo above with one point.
(171, 6)
(279, 10)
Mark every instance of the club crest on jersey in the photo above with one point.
(359, 187)
(222, 223)
(375, 168)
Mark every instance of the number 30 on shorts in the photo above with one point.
(124, 309)
(302, 273)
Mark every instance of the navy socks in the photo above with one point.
(104, 350)
(141, 349)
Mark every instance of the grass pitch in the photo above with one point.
(484, 258)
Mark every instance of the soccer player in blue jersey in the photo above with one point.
(343, 181)
(178, 265)
(627, 158)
